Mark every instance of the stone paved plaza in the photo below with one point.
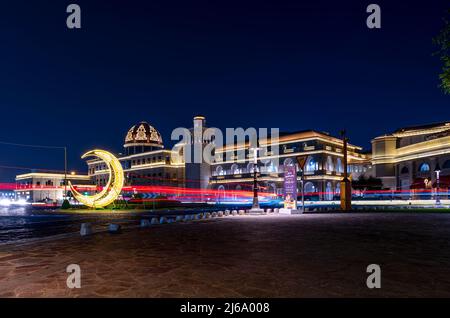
(316, 255)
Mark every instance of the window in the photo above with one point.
(288, 162)
(424, 167)
(219, 171)
(404, 170)
(311, 165)
(330, 165)
(339, 166)
(309, 187)
(270, 166)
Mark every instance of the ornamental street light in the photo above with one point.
(438, 173)
(255, 205)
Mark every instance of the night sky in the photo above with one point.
(292, 65)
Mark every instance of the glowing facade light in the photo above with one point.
(111, 190)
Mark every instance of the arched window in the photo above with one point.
(273, 188)
(329, 191)
(270, 167)
(221, 192)
(338, 189)
(404, 170)
(309, 187)
(339, 165)
(236, 193)
(330, 165)
(424, 167)
(234, 169)
(446, 165)
(219, 171)
(250, 167)
(288, 162)
(311, 165)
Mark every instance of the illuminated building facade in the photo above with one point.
(145, 162)
(409, 157)
(7, 194)
(40, 186)
(323, 168)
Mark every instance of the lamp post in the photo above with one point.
(65, 173)
(438, 173)
(346, 187)
(255, 205)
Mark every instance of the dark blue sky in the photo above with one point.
(288, 64)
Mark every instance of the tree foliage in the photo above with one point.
(442, 41)
(65, 204)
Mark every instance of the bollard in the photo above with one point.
(179, 218)
(269, 210)
(155, 220)
(145, 223)
(207, 215)
(276, 210)
(234, 212)
(220, 214)
(214, 214)
(241, 212)
(114, 228)
(187, 217)
(198, 216)
(227, 212)
(86, 229)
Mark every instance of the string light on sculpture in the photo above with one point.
(111, 190)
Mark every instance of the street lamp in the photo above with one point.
(255, 206)
(438, 173)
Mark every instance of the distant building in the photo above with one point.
(145, 162)
(405, 159)
(49, 187)
(7, 194)
(409, 157)
(323, 169)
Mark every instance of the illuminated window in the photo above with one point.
(309, 187)
(424, 167)
(219, 171)
(339, 165)
(330, 165)
(234, 169)
(288, 162)
(311, 165)
(270, 167)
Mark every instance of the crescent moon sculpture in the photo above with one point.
(111, 190)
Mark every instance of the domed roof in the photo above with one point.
(143, 134)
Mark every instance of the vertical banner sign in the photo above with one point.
(290, 187)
